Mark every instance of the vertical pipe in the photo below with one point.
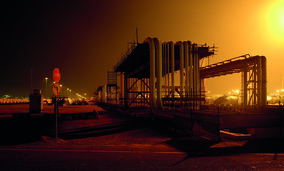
(198, 77)
(159, 72)
(172, 47)
(164, 78)
(181, 64)
(194, 73)
(152, 74)
(190, 70)
(186, 55)
(164, 70)
(168, 66)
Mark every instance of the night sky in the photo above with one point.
(85, 38)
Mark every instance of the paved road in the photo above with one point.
(42, 159)
(24, 108)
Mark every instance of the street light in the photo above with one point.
(46, 87)
(237, 91)
(61, 89)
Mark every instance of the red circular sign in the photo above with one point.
(56, 89)
(56, 75)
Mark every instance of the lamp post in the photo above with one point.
(31, 91)
(62, 89)
(46, 87)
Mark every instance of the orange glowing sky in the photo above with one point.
(84, 39)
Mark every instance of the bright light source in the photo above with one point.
(275, 19)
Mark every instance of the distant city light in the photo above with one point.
(234, 92)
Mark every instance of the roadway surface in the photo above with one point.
(116, 142)
(24, 108)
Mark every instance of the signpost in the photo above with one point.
(56, 90)
(56, 75)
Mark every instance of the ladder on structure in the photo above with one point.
(111, 87)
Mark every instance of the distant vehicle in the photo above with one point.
(47, 101)
(79, 102)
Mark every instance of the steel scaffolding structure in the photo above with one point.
(254, 77)
(168, 79)
(111, 87)
(164, 75)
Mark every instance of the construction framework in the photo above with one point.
(253, 73)
(111, 87)
(168, 79)
(165, 76)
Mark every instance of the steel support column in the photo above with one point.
(264, 81)
(125, 92)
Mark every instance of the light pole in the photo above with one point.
(31, 91)
(46, 87)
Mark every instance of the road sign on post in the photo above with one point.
(56, 75)
(56, 89)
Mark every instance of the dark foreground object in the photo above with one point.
(114, 142)
(24, 131)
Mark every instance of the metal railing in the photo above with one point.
(226, 61)
(124, 56)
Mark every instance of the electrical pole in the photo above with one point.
(31, 91)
